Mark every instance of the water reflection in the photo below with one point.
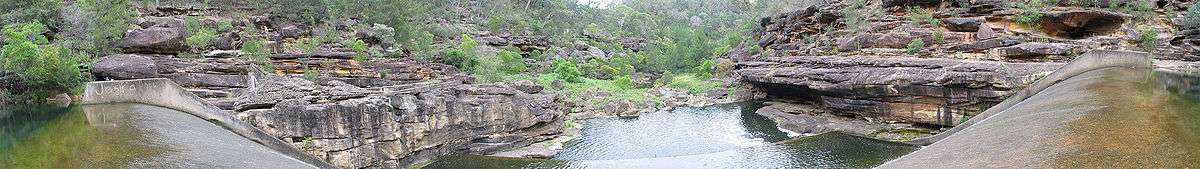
(125, 136)
(721, 136)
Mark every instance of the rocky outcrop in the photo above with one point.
(912, 90)
(354, 127)
(155, 35)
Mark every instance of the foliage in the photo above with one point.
(1192, 18)
(21, 11)
(1080, 3)
(724, 67)
(705, 69)
(253, 48)
(567, 71)
(915, 46)
(224, 26)
(920, 16)
(463, 56)
(693, 84)
(856, 15)
(512, 62)
(110, 20)
(309, 73)
(201, 38)
(45, 69)
(939, 35)
(1141, 10)
(1147, 37)
(623, 81)
(1029, 13)
(360, 50)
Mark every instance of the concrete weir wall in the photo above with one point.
(1093, 60)
(165, 93)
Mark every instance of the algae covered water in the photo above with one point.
(124, 136)
(720, 136)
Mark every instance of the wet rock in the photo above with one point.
(962, 24)
(1036, 49)
(124, 67)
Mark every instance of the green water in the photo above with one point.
(124, 136)
(721, 136)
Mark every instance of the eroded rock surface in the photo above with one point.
(912, 90)
(356, 127)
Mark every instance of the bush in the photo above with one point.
(939, 35)
(19, 11)
(360, 51)
(724, 67)
(201, 39)
(463, 56)
(692, 84)
(309, 73)
(45, 69)
(705, 69)
(224, 26)
(1029, 13)
(920, 16)
(1192, 18)
(253, 48)
(567, 71)
(512, 62)
(1147, 37)
(111, 19)
(915, 46)
(623, 82)
(857, 13)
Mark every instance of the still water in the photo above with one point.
(720, 136)
(124, 136)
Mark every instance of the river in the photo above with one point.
(719, 136)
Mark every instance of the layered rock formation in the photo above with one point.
(909, 90)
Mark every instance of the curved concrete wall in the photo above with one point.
(1093, 60)
(165, 93)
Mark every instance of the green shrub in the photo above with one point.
(915, 46)
(201, 39)
(512, 62)
(44, 69)
(1029, 13)
(623, 81)
(488, 69)
(724, 67)
(705, 69)
(856, 15)
(463, 56)
(1147, 38)
(1192, 18)
(920, 16)
(111, 19)
(224, 26)
(253, 48)
(309, 73)
(20, 11)
(567, 71)
(939, 35)
(692, 84)
(1081, 3)
(360, 51)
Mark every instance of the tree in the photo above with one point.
(44, 68)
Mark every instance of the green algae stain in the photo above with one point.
(46, 137)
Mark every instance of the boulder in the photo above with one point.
(227, 41)
(124, 67)
(962, 24)
(985, 32)
(293, 31)
(377, 34)
(163, 37)
(528, 86)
